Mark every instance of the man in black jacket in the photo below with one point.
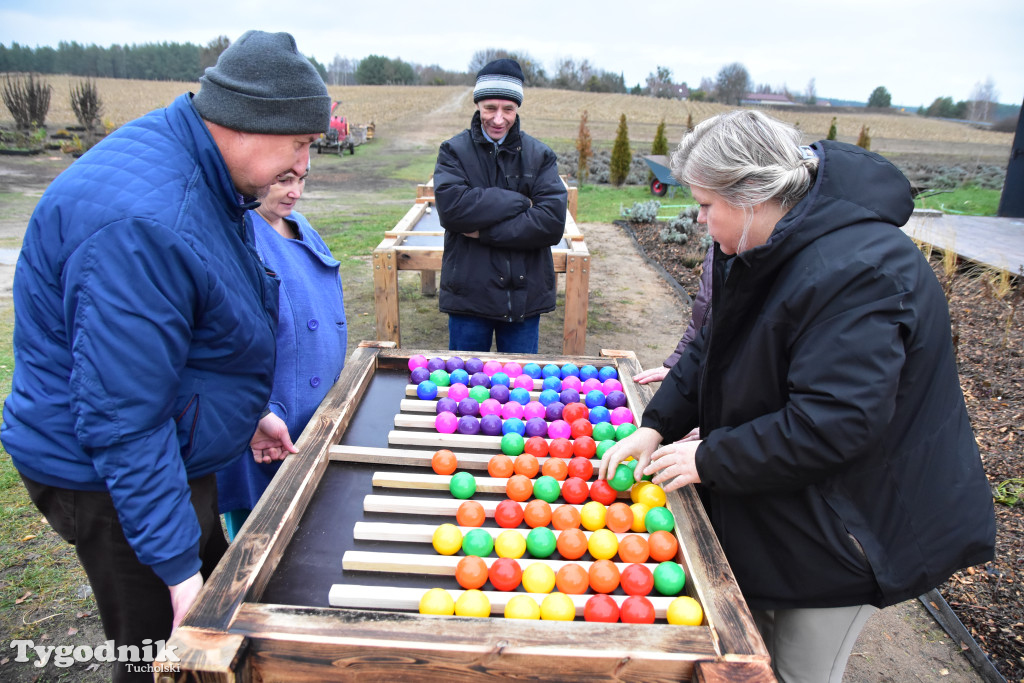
(502, 205)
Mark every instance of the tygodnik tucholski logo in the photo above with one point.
(63, 656)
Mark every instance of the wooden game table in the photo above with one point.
(269, 611)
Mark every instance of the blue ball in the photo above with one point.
(552, 382)
(551, 370)
(500, 378)
(426, 390)
(607, 372)
(599, 414)
(459, 376)
(570, 370)
(547, 397)
(519, 395)
(532, 370)
(569, 396)
(419, 374)
(513, 424)
(595, 398)
(588, 372)
(500, 393)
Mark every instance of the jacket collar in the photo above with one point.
(511, 137)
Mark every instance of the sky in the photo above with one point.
(918, 50)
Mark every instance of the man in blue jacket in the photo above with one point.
(502, 205)
(145, 331)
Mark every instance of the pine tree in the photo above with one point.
(622, 158)
(864, 139)
(689, 122)
(659, 146)
(584, 151)
(832, 130)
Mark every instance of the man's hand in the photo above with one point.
(653, 375)
(271, 441)
(639, 445)
(183, 595)
(674, 466)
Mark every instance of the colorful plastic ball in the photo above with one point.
(500, 467)
(622, 415)
(607, 372)
(454, 363)
(510, 543)
(500, 393)
(417, 361)
(469, 425)
(512, 409)
(551, 384)
(523, 382)
(536, 426)
(619, 517)
(557, 607)
(588, 372)
(634, 548)
(581, 427)
(490, 406)
(532, 370)
(624, 430)
(472, 603)
(491, 425)
(447, 539)
(565, 517)
(518, 428)
(437, 601)
(491, 367)
(636, 579)
(418, 375)
(602, 544)
(551, 370)
(580, 468)
(471, 572)
(426, 390)
(659, 519)
(559, 447)
(478, 542)
(594, 398)
(480, 379)
(443, 462)
(592, 515)
(459, 377)
(571, 543)
(522, 607)
(547, 398)
(440, 378)
(512, 369)
(574, 411)
(614, 399)
(526, 465)
(470, 513)
(651, 495)
(468, 406)
(622, 480)
(519, 395)
(601, 415)
(546, 488)
(537, 513)
(604, 576)
(519, 488)
(602, 431)
(459, 393)
(446, 423)
(500, 378)
(639, 524)
(669, 578)
(556, 468)
(538, 578)
(570, 370)
(568, 396)
(553, 409)
(584, 447)
(462, 485)
(436, 363)
(602, 492)
(575, 490)
(601, 608)
(573, 383)
(479, 393)
(474, 365)
(572, 579)
(541, 542)
(537, 446)
(602, 447)
(559, 429)
(533, 409)
(663, 545)
(684, 611)
(592, 384)
(636, 609)
(505, 574)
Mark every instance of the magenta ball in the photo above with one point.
(533, 409)
(592, 384)
(553, 411)
(490, 407)
(611, 385)
(523, 382)
(417, 361)
(435, 363)
(469, 425)
(513, 370)
(469, 406)
(572, 382)
(559, 429)
(622, 415)
(419, 374)
(446, 423)
(457, 392)
(490, 425)
(499, 393)
(491, 367)
(512, 409)
(454, 363)
(536, 426)
(446, 405)
(614, 399)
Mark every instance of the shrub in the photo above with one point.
(86, 103)
(583, 150)
(642, 212)
(622, 158)
(864, 139)
(832, 130)
(683, 228)
(28, 101)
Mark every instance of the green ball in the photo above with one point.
(512, 443)
(669, 578)
(547, 488)
(659, 519)
(603, 431)
(440, 378)
(462, 485)
(541, 541)
(477, 542)
(631, 464)
(623, 478)
(624, 430)
(479, 393)
(603, 446)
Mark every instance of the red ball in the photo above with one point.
(537, 446)
(601, 608)
(581, 427)
(581, 468)
(508, 514)
(602, 492)
(505, 574)
(560, 448)
(575, 490)
(574, 411)
(636, 579)
(584, 446)
(636, 609)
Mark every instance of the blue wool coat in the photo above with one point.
(311, 340)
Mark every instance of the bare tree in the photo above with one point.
(733, 83)
(659, 83)
(812, 92)
(533, 71)
(342, 71)
(983, 101)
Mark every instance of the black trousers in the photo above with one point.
(133, 601)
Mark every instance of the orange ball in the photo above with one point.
(556, 468)
(519, 487)
(663, 546)
(604, 576)
(536, 446)
(470, 513)
(572, 579)
(526, 465)
(633, 548)
(537, 513)
(565, 517)
(574, 411)
(500, 467)
(444, 461)
(571, 544)
(618, 517)
(560, 448)
(471, 572)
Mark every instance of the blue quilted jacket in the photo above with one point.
(144, 330)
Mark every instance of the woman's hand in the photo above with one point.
(673, 466)
(638, 445)
(653, 375)
(271, 441)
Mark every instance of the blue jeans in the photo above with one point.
(470, 333)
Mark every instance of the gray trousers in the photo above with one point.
(811, 645)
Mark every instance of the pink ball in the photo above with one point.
(417, 361)
(457, 392)
(621, 415)
(572, 382)
(491, 367)
(559, 429)
(523, 382)
(446, 423)
(512, 409)
(513, 370)
(534, 409)
(592, 384)
(490, 406)
(610, 385)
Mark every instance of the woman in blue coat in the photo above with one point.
(311, 338)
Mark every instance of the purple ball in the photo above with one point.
(469, 406)
(569, 396)
(435, 363)
(469, 425)
(499, 393)
(474, 365)
(490, 425)
(419, 374)
(479, 379)
(536, 426)
(553, 411)
(446, 405)
(614, 399)
(454, 363)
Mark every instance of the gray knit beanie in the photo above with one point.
(261, 84)
(501, 79)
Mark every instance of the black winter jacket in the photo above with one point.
(516, 200)
(838, 465)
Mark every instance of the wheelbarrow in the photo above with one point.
(663, 181)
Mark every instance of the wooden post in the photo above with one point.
(577, 292)
(385, 294)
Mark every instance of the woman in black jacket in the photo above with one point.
(836, 460)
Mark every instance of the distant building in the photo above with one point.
(680, 91)
(767, 99)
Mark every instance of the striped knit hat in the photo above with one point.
(502, 79)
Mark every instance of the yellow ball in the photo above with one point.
(473, 603)
(652, 496)
(557, 607)
(636, 488)
(522, 607)
(603, 544)
(447, 539)
(510, 543)
(538, 578)
(639, 513)
(685, 611)
(437, 601)
(592, 515)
